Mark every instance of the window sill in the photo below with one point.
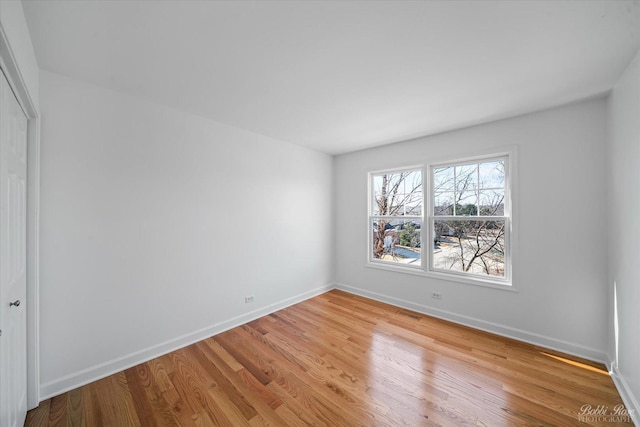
(418, 271)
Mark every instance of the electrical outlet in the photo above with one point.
(248, 299)
(436, 295)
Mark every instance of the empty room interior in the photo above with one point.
(319, 213)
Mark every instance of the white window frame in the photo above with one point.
(372, 216)
(506, 217)
(426, 230)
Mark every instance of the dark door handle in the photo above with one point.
(16, 303)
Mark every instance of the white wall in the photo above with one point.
(624, 222)
(157, 223)
(561, 269)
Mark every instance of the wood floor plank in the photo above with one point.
(58, 410)
(91, 405)
(342, 360)
(194, 392)
(74, 408)
(143, 406)
(40, 415)
(242, 380)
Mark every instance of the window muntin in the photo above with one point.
(469, 218)
(395, 220)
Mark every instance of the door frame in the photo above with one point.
(11, 69)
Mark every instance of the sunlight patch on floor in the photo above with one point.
(578, 364)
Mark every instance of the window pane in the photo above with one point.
(467, 204)
(378, 184)
(492, 174)
(398, 193)
(396, 241)
(443, 179)
(443, 203)
(466, 178)
(492, 202)
(469, 246)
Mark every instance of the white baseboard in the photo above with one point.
(630, 401)
(494, 328)
(94, 373)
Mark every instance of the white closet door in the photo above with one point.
(13, 256)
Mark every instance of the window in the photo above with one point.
(469, 218)
(395, 217)
(466, 221)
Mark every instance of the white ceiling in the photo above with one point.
(341, 76)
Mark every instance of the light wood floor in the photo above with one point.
(342, 360)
